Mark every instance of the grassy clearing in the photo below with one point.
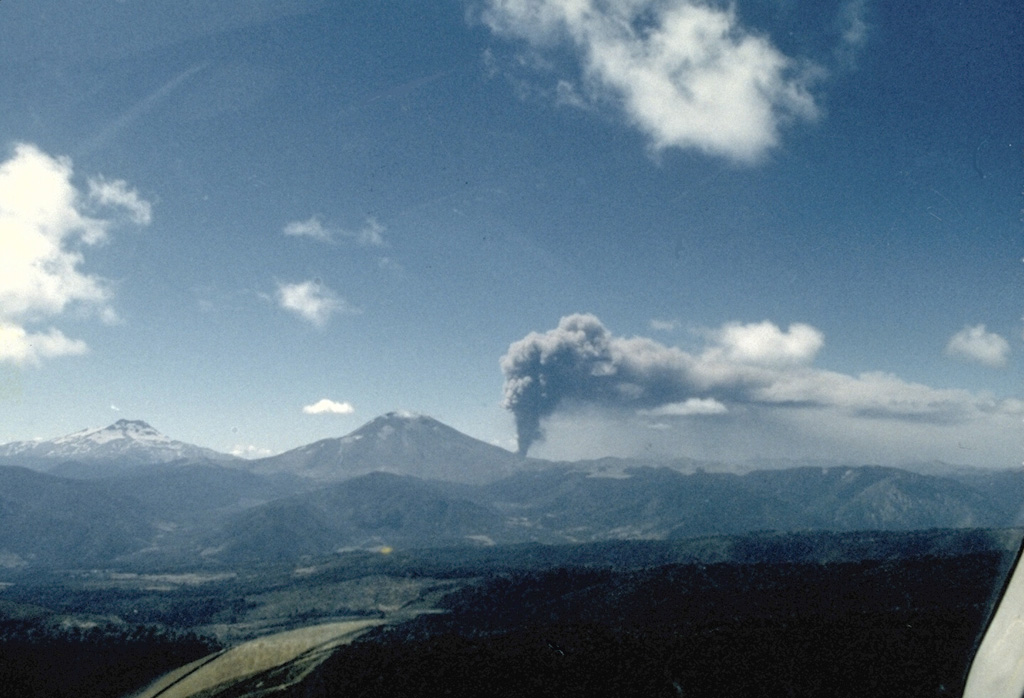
(303, 648)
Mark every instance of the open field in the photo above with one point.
(268, 662)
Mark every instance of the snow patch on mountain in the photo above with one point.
(402, 414)
(127, 430)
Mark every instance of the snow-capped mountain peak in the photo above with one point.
(126, 442)
(398, 442)
(394, 422)
(403, 414)
(128, 429)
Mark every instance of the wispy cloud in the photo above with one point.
(685, 73)
(980, 346)
(311, 228)
(138, 110)
(664, 325)
(855, 28)
(312, 301)
(687, 408)
(117, 193)
(854, 31)
(44, 222)
(390, 264)
(326, 406)
(371, 234)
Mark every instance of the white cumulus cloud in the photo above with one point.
(19, 346)
(45, 224)
(979, 345)
(765, 343)
(326, 406)
(312, 301)
(687, 74)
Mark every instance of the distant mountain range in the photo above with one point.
(402, 443)
(128, 496)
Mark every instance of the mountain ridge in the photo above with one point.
(408, 481)
(400, 442)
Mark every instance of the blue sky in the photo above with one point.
(735, 231)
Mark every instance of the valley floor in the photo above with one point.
(868, 613)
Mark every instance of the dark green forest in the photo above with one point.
(106, 659)
(895, 628)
